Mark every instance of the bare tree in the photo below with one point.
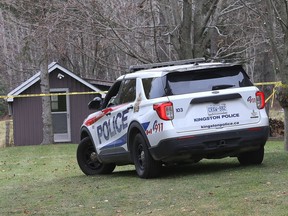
(276, 19)
(191, 25)
(273, 27)
(100, 40)
(41, 19)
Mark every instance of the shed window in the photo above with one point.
(58, 103)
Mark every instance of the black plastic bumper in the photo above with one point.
(215, 145)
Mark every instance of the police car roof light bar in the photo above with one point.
(135, 68)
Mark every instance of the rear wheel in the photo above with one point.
(88, 161)
(252, 157)
(146, 166)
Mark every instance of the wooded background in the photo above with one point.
(101, 39)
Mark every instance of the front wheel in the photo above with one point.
(88, 161)
(146, 166)
(252, 157)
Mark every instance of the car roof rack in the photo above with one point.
(134, 68)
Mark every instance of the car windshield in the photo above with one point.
(176, 83)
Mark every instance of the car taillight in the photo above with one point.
(164, 110)
(260, 100)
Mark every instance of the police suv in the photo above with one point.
(174, 112)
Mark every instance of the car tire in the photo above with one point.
(88, 161)
(145, 165)
(252, 157)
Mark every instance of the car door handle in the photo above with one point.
(108, 114)
(130, 107)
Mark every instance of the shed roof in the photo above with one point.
(51, 67)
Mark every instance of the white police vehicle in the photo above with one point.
(174, 112)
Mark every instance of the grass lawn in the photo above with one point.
(46, 180)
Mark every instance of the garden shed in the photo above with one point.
(68, 111)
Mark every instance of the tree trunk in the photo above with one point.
(285, 128)
(186, 51)
(7, 136)
(280, 55)
(48, 137)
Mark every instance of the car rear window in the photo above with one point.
(176, 83)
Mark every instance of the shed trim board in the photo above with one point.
(36, 78)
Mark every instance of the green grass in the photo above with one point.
(46, 180)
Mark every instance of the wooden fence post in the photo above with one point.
(7, 137)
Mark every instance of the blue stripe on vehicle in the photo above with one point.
(119, 142)
(145, 125)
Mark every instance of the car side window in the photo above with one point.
(127, 92)
(111, 95)
(154, 88)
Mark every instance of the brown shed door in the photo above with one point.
(60, 116)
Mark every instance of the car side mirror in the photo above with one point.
(95, 104)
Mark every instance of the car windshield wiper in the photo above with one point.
(217, 87)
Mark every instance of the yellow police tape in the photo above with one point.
(277, 84)
(50, 94)
(5, 97)
(272, 95)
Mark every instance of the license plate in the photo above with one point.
(216, 109)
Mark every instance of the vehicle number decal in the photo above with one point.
(156, 128)
(179, 109)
